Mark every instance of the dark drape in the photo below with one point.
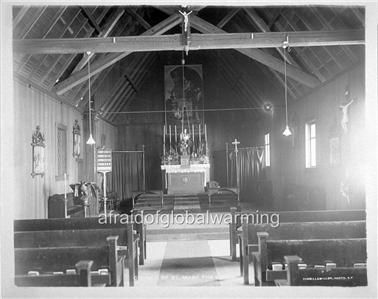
(127, 173)
(251, 162)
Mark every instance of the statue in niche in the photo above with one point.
(38, 152)
(76, 139)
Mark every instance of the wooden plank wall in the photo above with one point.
(32, 108)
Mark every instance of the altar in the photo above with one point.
(186, 180)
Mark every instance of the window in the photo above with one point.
(267, 149)
(310, 145)
(61, 151)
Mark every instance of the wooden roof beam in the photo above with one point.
(139, 18)
(227, 18)
(221, 40)
(90, 18)
(113, 19)
(109, 60)
(260, 23)
(260, 56)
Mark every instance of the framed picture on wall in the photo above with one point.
(76, 140)
(38, 153)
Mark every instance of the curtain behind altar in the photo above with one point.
(127, 174)
(251, 163)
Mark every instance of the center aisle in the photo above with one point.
(189, 263)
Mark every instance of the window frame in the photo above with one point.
(267, 151)
(311, 155)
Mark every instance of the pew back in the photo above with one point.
(343, 252)
(308, 230)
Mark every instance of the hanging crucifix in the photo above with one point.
(344, 109)
(185, 30)
(235, 143)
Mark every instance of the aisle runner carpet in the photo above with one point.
(186, 203)
(188, 263)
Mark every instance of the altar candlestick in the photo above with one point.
(65, 185)
(199, 132)
(65, 195)
(170, 137)
(175, 134)
(206, 135)
(164, 140)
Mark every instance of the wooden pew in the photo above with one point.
(251, 236)
(338, 276)
(292, 216)
(88, 232)
(57, 258)
(86, 223)
(343, 252)
(82, 277)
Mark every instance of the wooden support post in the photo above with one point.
(262, 238)
(292, 262)
(244, 244)
(84, 270)
(232, 234)
(131, 254)
(113, 257)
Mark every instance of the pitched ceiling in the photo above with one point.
(51, 44)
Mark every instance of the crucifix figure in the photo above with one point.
(345, 118)
(186, 19)
(235, 143)
(186, 30)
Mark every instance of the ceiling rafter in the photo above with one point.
(137, 77)
(65, 28)
(123, 105)
(59, 13)
(107, 29)
(230, 61)
(101, 76)
(305, 62)
(329, 27)
(229, 79)
(227, 18)
(277, 76)
(36, 19)
(72, 57)
(132, 12)
(121, 82)
(102, 64)
(20, 15)
(29, 21)
(260, 56)
(90, 19)
(260, 23)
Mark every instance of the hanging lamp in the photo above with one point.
(90, 140)
(287, 131)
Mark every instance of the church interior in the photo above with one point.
(235, 139)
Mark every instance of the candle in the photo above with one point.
(193, 131)
(170, 137)
(206, 135)
(164, 140)
(175, 134)
(199, 132)
(65, 185)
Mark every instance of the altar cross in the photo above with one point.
(235, 143)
